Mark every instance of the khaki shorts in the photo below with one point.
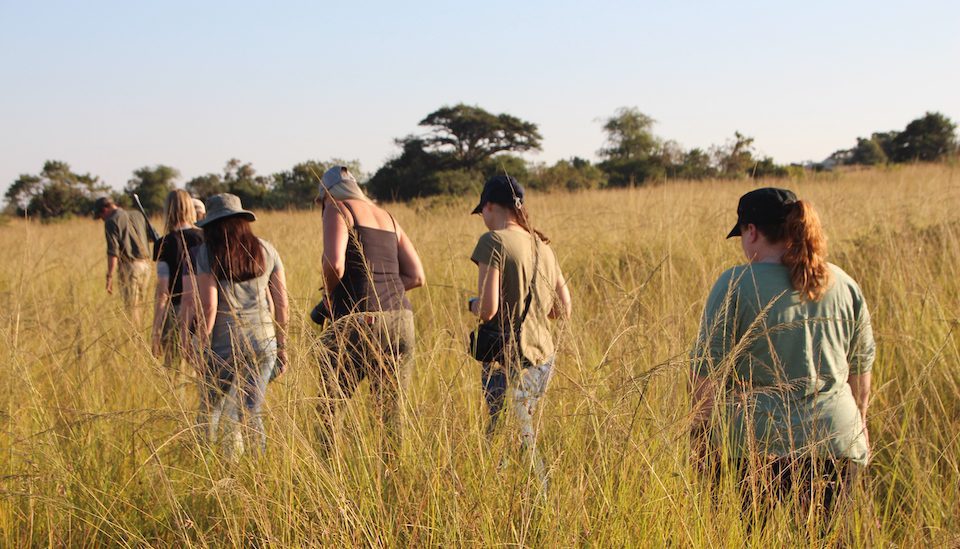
(133, 278)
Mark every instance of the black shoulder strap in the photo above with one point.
(395, 232)
(353, 214)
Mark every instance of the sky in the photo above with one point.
(111, 86)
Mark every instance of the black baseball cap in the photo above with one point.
(766, 206)
(500, 189)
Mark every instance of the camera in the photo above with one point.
(320, 313)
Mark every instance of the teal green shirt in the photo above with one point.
(785, 362)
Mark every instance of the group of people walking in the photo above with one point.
(780, 377)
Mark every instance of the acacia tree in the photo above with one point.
(463, 144)
(471, 135)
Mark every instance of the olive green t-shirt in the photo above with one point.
(512, 253)
(785, 361)
(127, 235)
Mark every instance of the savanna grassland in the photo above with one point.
(96, 446)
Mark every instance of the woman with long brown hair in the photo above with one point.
(172, 256)
(520, 287)
(782, 365)
(238, 277)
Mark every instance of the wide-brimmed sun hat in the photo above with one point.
(225, 205)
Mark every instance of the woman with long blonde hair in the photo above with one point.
(782, 366)
(172, 252)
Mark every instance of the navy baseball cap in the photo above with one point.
(500, 189)
(766, 206)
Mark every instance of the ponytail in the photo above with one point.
(523, 219)
(806, 254)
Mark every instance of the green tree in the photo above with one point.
(630, 153)
(572, 175)
(929, 138)
(22, 191)
(868, 152)
(410, 174)
(766, 167)
(885, 140)
(735, 159)
(463, 144)
(471, 135)
(204, 186)
(508, 164)
(56, 191)
(152, 186)
(696, 165)
(242, 180)
(298, 187)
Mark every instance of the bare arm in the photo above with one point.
(411, 269)
(563, 306)
(281, 314)
(488, 286)
(281, 305)
(703, 398)
(335, 235)
(860, 387)
(207, 291)
(112, 262)
(160, 307)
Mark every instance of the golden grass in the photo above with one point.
(95, 439)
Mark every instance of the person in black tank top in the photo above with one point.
(172, 256)
(368, 265)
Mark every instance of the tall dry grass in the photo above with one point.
(96, 436)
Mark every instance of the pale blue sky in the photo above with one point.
(113, 86)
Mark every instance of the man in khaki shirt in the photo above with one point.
(128, 253)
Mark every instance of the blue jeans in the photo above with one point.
(235, 388)
(520, 390)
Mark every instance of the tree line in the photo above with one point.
(460, 146)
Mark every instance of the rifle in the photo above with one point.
(151, 232)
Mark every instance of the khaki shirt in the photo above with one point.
(127, 236)
(512, 252)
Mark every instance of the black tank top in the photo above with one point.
(371, 277)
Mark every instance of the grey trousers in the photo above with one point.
(519, 390)
(232, 393)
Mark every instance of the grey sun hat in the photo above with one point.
(225, 205)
